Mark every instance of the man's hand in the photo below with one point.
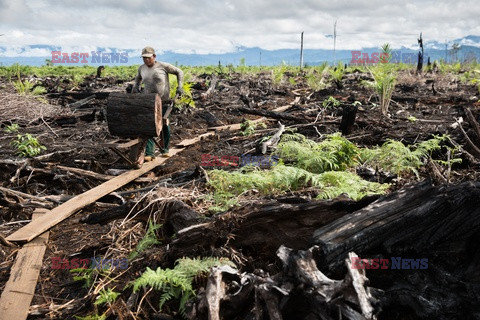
(180, 91)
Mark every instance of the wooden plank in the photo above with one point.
(20, 288)
(66, 209)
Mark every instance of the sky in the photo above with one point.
(219, 26)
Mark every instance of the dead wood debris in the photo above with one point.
(248, 295)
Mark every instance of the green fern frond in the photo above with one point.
(283, 178)
(334, 153)
(106, 296)
(395, 157)
(150, 239)
(177, 282)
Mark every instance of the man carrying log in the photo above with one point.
(154, 75)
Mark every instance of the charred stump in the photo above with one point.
(348, 119)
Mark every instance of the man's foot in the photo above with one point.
(149, 158)
(165, 153)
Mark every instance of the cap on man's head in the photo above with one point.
(148, 52)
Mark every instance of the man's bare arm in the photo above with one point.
(176, 71)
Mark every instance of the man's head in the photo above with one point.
(148, 55)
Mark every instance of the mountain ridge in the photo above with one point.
(253, 56)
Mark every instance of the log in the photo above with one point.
(134, 115)
(438, 226)
(414, 219)
(263, 226)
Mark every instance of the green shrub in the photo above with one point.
(27, 145)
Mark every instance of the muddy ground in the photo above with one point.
(73, 138)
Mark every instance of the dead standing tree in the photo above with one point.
(420, 55)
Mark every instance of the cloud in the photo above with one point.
(216, 26)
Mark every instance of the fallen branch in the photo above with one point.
(273, 141)
(271, 114)
(80, 103)
(22, 195)
(473, 122)
(475, 149)
(98, 176)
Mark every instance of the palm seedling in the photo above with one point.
(384, 79)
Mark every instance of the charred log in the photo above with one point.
(262, 228)
(134, 115)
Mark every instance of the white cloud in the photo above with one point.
(213, 26)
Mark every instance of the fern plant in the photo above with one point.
(334, 153)
(92, 317)
(177, 283)
(316, 77)
(395, 157)
(186, 100)
(150, 239)
(283, 178)
(330, 102)
(248, 127)
(22, 87)
(278, 73)
(106, 296)
(86, 275)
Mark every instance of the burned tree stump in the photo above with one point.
(134, 115)
(348, 119)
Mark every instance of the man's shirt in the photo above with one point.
(156, 78)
